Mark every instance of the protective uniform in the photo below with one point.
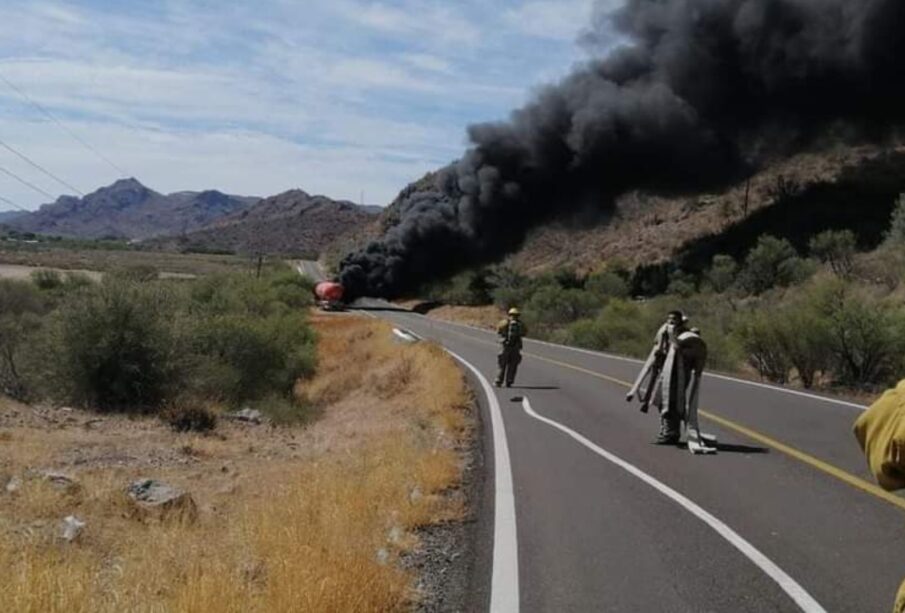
(673, 373)
(510, 332)
(881, 433)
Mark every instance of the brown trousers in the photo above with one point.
(508, 360)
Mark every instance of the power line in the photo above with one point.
(26, 183)
(13, 204)
(41, 168)
(63, 126)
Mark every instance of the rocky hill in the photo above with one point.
(291, 223)
(649, 229)
(129, 210)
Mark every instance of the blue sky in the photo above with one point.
(337, 97)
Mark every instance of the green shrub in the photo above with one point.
(284, 411)
(866, 334)
(237, 358)
(114, 348)
(189, 417)
(836, 248)
(552, 305)
(47, 280)
(21, 308)
(604, 285)
(762, 341)
(773, 262)
(722, 274)
(139, 273)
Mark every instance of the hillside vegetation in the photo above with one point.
(827, 314)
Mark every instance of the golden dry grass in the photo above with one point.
(487, 317)
(294, 519)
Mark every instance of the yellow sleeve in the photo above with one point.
(881, 433)
(900, 600)
(501, 327)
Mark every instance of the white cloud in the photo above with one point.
(554, 19)
(430, 21)
(335, 96)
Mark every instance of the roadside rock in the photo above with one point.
(71, 528)
(153, 499)
(249, 416)
(13, 485)
(60, 481)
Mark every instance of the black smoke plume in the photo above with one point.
(701, 93)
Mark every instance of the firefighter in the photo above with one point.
(663, 386)
(880, 431)
(511, 331)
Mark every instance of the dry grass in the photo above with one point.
(290, 519)
(487, 317)
(649, 229)
(105, 260)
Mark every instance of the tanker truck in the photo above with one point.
(329, 296)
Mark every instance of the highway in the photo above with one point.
(784, 518)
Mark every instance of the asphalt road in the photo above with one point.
(785, 517)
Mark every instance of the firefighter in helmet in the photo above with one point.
(511, 330)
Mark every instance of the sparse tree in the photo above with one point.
(772, 262)
(836, 248)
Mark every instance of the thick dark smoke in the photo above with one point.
(702, 92)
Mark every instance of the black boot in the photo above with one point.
(669, 432)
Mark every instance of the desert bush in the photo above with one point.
(607, 284)
(621, 327)
(762, 341)
(836, 248)
(895, 236)
(722, 273)
(866, 334)
(21, 308)
(187, 416)
(283, 411)
(291, 288)
(469, 288)
(773, 262)
(112, 347)
(45, 279)
(139, 273)
(552, 305)
(238, 358)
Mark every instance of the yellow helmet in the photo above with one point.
(514, 312)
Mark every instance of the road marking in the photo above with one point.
(812, 461)
(817, 463)
(504, 586)
(619, 358)
(791, 587)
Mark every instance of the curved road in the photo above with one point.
(784, 518)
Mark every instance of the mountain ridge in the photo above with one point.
(127, 209)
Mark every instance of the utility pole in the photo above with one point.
(260, 263)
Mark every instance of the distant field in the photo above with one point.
(43, 255)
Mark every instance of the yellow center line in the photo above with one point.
(788, 450)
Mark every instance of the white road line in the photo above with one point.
(504, 586)
(797, 593)
(619, 358)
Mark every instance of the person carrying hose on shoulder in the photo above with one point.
(510, 331)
